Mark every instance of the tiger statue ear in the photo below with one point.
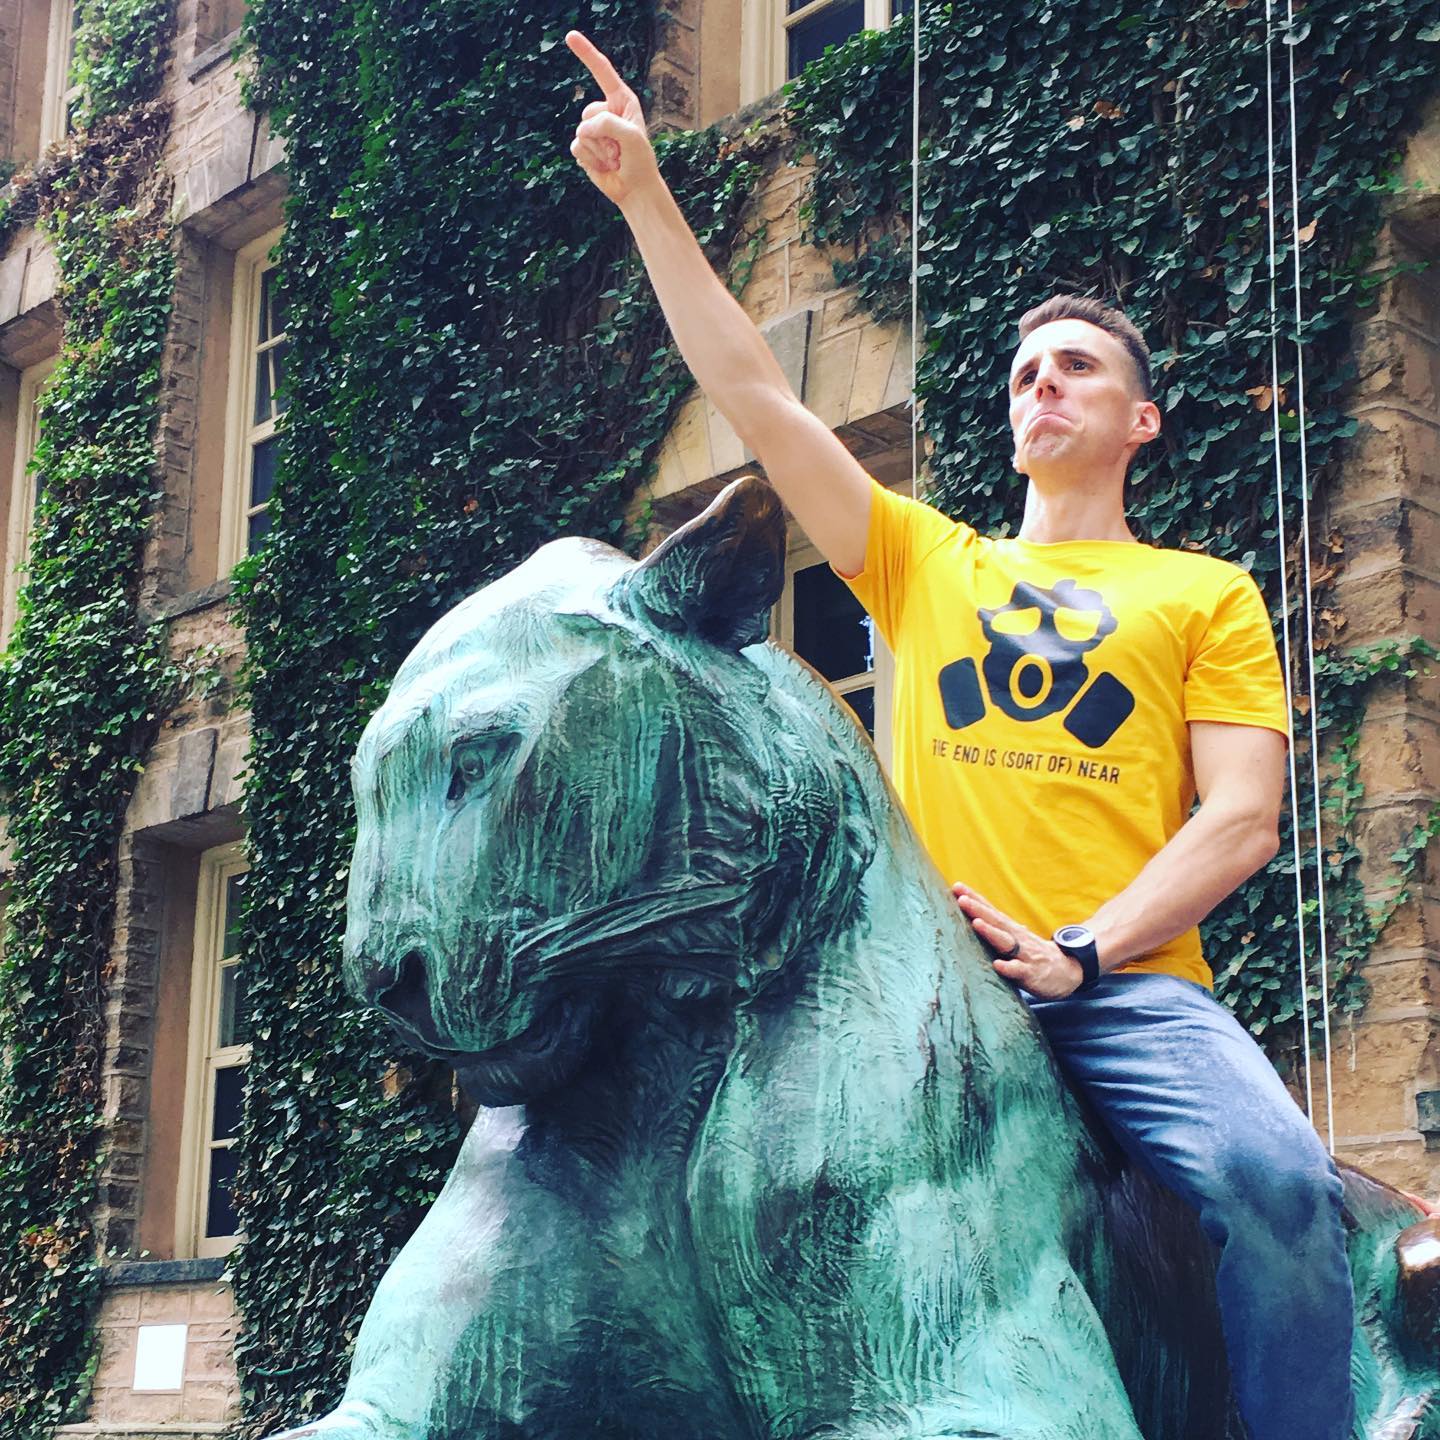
(718, 575)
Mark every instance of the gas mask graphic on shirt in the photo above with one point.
(1035, 666)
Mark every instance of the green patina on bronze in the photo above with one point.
(772, 1151)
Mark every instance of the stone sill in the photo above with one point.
(160, 1272)
(188, 604)
(131, 1430)
(768, 110)
(211, 56)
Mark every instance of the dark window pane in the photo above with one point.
(272, 313)
(809, 39)
(277, 360)
(264, 386)
(262, 471)
(862, 702)
(234, 1027)
(227, 1102)
(259, 527)
(832, 631)
(230, 944)
(900, 7)
(219, 1212)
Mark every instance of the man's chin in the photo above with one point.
(1052, 454)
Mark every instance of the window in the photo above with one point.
(62, 98)
(219, 1052)
(779, 38)
(257, 366)
(25, 486)
(217, 20)
(823, 623)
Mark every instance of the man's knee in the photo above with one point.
(1279, 1184)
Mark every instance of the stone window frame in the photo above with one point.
(242, 433)
(764, 29)
(215, 29)
(33, 380)
(60, 94)
(802, 555)
(205, 1057)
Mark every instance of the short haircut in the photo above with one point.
(1106, 317)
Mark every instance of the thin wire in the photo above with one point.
(1282, 544)
(1309, 605)
(915, 254)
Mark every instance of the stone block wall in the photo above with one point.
(207, 1396)
(167, 559)
(11, 19)
(1384, 522)
(675, 70)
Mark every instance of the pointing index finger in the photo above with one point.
(598, 64)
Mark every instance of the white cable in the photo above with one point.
(1283, 545)
(1309, 599)
(915, 254)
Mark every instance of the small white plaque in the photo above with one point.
(160, 1357)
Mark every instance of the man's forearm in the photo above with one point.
(1213, 853)
(718, 340)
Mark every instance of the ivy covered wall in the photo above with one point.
(475, 365)
(82, 686)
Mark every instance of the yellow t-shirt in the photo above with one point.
(1042, 694)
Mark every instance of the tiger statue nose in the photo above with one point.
(407, 995)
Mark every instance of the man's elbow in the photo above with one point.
(1262, 843)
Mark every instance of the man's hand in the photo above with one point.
(1021, 956)
(610, 141)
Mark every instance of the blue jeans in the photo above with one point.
(1191, 1097)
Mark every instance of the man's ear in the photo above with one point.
(1147, 423)
(718, 575)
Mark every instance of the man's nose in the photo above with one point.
(1047, 376)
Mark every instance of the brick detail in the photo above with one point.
(675, 70)
(125, 1062)
(209, 1393)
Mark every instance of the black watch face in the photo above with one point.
(1072, 935)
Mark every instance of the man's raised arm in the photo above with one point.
(815, 475)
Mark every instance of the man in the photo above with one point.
(1061, 700)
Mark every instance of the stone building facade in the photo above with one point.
(175, 1048)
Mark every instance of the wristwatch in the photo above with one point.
(1078, 942)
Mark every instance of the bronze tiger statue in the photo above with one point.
(769, 1151)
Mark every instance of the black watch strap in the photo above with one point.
(1078, 941)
